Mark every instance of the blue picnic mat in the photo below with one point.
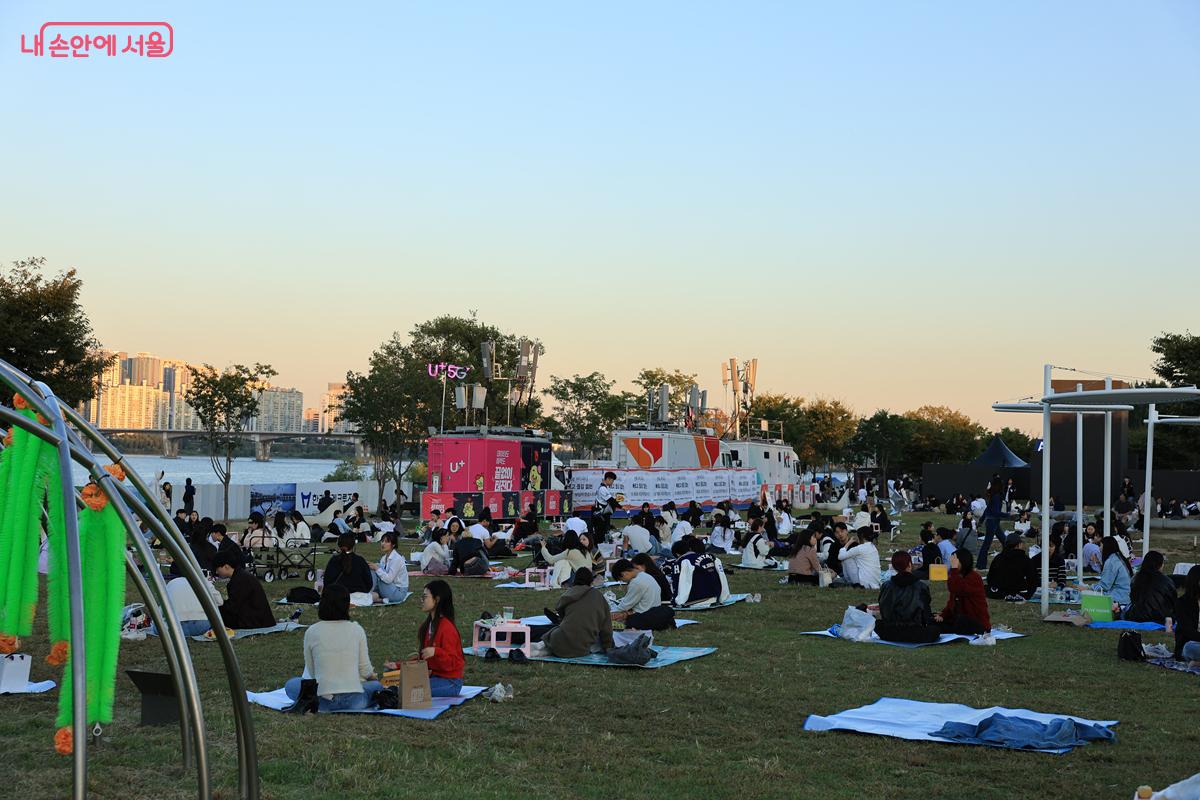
(920, 721)
(1127, 625)
(666, 656)
(733, 598)
(242, 633)
(945, 638)
(1170, 663)
(278, 700)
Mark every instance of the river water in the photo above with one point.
(245, 470)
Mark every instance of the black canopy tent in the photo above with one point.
(997, 454)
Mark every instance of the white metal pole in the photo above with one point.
(1148, 500)
(1079, 489)
(1108, 466)
(443, 427)
(1046, 493)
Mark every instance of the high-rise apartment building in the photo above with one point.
(331, 410)
(312, 420)
(278, 410)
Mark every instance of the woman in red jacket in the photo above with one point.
(967, 610)
(440, 646)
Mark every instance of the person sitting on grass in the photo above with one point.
(338, 671)
(644, 562)
(348, 569)
(468, 555)
(573, 557)
(945, 543)
(1093, 557)
(493, 545)
(930, 552)
(720, 540)
(583, 623)
(802, 559)
(225, 543)
(831, 544)
(967, 535)
(1012, 573)
(639, 539)
(904, 612)
(697, 578)
(1152, 593)
(642, 607)
(1116, 576)
(435, 558)
(966, 609)
(1058, 564)
(438, 642)
(860, 562)
(247, 606)
(755, 555)
(1186, 622)
(390, 578)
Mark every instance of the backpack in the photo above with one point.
(1129, 646)
(303, 594)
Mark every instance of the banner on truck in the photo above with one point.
(659, 486)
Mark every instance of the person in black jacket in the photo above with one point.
(694, 514)
(1012, 572)
(645, 517)
(1187, 616)
(347, 568)
(202, 549)
(1152, 594)
(468, 556)
(247, 606)
(904, 611)
(930, 553)
(225, 544)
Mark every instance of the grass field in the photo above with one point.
(727, 725)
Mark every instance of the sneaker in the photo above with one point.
(757, 598)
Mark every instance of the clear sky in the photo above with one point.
(892, 203)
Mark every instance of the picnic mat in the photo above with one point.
(283, 601)
(490, 576)
(1170, 663)
(666, 656)
(1131, 626)
(733, 598)
(278, 700)
(779, 567)
(523, 585)
(242, 633)
(34, 688)
(918, 721)
(945, 638)
(542, 619)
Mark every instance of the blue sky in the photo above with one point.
(890, 203)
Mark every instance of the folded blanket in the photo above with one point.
(282, 627)
(283, 601)
(919, 721)
(1059, 734)
(733, 598)
(34, 688)
(945, 638)
(1170, 663)
(665, 657)
(523, 585)
(1125, 624)
(278, 700)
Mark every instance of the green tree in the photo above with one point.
(224, 402)
(785, 409)
(1175, 446)
(45, 333)
(456, 340)
(828, 427)
(346, 470)
(1178, 358)
(941, 434)
(391, 406)
(883, 437)
(586, 411)
(648, 380)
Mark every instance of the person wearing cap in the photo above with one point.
(904, 606)
(1012, 573)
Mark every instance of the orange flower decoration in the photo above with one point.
(93, 497)
(8, 439)
(58, 654)
(115, 470)
(43, 420)
(64, 741)
(8, 644)
(20, 403)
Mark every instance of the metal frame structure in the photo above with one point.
(134, 507)
(1154, 418)
(1080, 402)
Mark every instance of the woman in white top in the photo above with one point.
(337, 666)
(721, 538)
(187, 607)
(301, 533)
(860, 562)
(755, 554)
(390, 578)
(435, 558)
(682, 528)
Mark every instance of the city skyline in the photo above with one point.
(919, 205)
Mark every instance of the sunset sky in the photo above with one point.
(891, 203)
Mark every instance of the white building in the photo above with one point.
(127, 406)
(312, 420)
(331, 410)
(278, 410)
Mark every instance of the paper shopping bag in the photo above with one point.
(414, 685)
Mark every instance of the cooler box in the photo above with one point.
(1097, 606)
